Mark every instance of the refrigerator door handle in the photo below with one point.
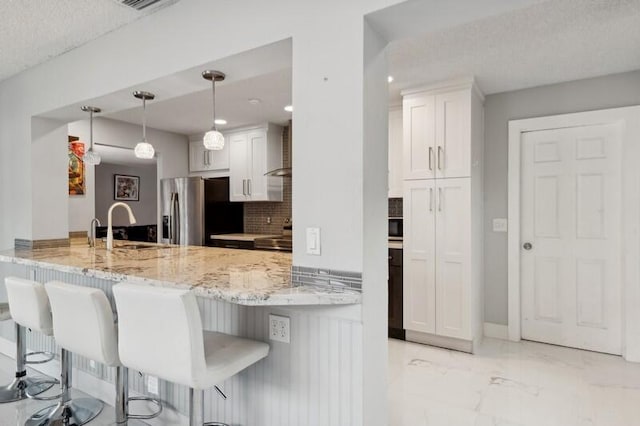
(173, 219)
(170, 224)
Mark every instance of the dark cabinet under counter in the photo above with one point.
(395, 294)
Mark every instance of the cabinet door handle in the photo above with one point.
(430, 199)
(439, 199)
(440, 155)
(244, 187)
(430, 158)
(204, 157)
(249, 186)
(208, 158)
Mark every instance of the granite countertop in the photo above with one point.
(244, 277)
(242, 237)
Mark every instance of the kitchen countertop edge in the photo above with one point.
(294, 296)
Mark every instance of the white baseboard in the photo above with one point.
(93, 386)
(496, 331)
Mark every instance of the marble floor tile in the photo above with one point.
(511, 384)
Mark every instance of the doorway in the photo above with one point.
(567, 220)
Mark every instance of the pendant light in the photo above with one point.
(213, 139)
(90, 156)
(144, 149)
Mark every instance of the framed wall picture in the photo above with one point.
(126, 188)
(76, 166)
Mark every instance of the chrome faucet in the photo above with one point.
(132, 220)
(92, 231)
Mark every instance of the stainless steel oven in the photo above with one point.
(395, 228)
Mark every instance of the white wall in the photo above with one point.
(584, 95)
(172, 149)
(145, 209)
(50, 142)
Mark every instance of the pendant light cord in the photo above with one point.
(144, 119)
(91, 130)
(213, 90)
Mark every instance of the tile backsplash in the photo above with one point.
(256, 214)
(395, 207)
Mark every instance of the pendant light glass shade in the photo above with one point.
(91, 157)
(213, 139)
(144, 149)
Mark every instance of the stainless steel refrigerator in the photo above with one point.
(194, 208)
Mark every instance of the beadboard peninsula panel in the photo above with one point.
(315, 380)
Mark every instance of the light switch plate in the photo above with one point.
(500, 225)
(279, 328)
(313, 241)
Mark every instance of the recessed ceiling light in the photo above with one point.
(254, 101)
(289, 108)
(390, 79)
(221, 121)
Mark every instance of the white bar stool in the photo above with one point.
(83, 323)
(37, 317)
(160, 333)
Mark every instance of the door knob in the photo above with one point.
(527, 246)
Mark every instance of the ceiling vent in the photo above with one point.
(143, 4)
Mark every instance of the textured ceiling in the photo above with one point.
(550, 42)
(32, 32)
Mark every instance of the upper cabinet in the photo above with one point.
(438, 141)
(254, 152)
(205, 160)
(395, 152)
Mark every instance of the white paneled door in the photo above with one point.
(570, 250)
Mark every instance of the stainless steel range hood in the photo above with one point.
(286, 170)
(283, 172)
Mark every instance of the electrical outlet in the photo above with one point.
(152, 385)
(279, 328)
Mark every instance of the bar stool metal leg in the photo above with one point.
(68, 411)
(123, 399)
(196, 409)
(15, 391)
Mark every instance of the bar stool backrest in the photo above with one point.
(83, 322)
(160, 331)
(29, 304)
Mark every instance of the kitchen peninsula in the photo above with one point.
(244, 277)
(237, 292)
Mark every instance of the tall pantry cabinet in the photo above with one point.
(443, 143)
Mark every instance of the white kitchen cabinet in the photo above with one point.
(205, 160)
(254, 152)
(443, 216)
(395, 153)
(437, 257)
(419, 130)
(453, 258)
(438, 131)
(419, 269)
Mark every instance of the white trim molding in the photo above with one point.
(629, 120)
(496, 331)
